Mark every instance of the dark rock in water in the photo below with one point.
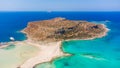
(66, 64)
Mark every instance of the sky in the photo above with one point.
(59, 5)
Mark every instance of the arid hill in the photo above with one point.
(58, 29)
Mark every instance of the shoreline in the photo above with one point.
(99, 36)
(35, 61)
(48, 50)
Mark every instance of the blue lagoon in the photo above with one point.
(96, 53)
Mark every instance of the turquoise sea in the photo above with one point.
(97, 53)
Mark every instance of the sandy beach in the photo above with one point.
(48, 39)
(48, 51)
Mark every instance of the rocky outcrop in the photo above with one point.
(62, 29)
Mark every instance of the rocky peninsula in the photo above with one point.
(47, 35)
(59, 29)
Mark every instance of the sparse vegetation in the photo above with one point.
(60, 29)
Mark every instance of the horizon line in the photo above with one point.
(59, 11)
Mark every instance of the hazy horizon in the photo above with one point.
(62, 5)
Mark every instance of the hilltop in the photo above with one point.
(58, 29)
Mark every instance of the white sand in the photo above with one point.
(15, 55)
(48, 51)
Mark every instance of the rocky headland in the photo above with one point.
(47, 35)
(59, 29)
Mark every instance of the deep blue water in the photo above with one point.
(12, 22)
(105, 52)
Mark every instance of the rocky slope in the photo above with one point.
(58, 29)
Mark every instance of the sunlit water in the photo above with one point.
(15, 55)
(98, 53)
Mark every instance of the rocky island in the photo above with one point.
(47, 36)
(44, 40)
(59, 29)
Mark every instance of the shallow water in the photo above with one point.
(97, 53)
(45, 65)
(88, 54)
(14, 55)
